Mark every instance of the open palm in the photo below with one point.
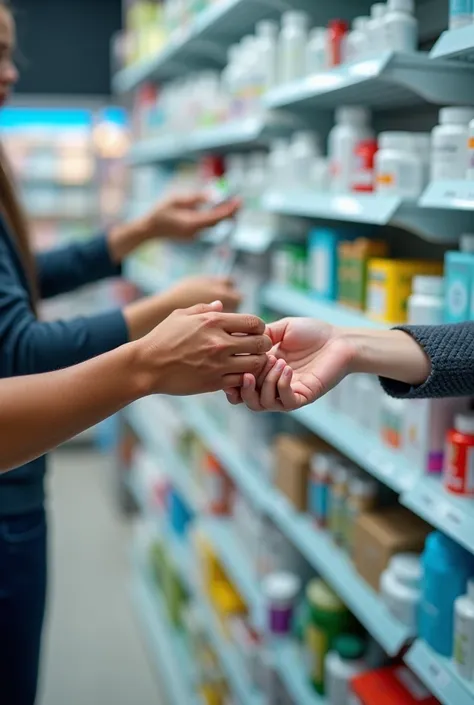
(308, 359)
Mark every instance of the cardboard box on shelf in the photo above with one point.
(292, 461)
(381, 534)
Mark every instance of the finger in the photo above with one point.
(269, 392)
(249, 394)
(240, 364)
(189, 200)
(287, 396)
(204, 308)
(234, 396)
(276, 331)
(241, 323)
(250, 344)
(209, 218)
(271, 361)
(232, 383)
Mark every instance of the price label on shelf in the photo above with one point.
(437, 675)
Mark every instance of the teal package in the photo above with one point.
(323, 246)
(459, 276)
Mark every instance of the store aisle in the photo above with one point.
(93, 652)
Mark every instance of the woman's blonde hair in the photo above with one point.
(15, 216)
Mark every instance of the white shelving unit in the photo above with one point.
(455, 44)
(439, 675)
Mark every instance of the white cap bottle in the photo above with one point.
(376, 28)
(426, 303)
(316, 51)
(266, 32)
(357, 44)
(352, 126)
(292, 46)
(449, 144)
(303, 152)
(464, 633)
(401, 26)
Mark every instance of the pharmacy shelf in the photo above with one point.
(450, 195)
(435, 223)
(249, 132)
(142, 417)
(439, 675)
(221, 534)
(360, 445)
(145, 276)
(166, 648)
(291, 302)
(452, 515)
(205, 41)
(390, 80)
(455, 44)
(289, 663)
(332, 564)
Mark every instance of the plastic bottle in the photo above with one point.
(423, 148)
(277, 164)
(328, 619)
(337, 31)
(460, 13)
(302, 153)
(376, 28)
(400, 588)
(316, 51)
(459, 465)
(267, 38)
(459, 275)
(361, 497)
(426, 303)
(401, 26)
(470, 152)
(352, 127)
(337, 502)
(398, 167)
(280, 591)
(357, 45)
(464, 633)
(364, 176)
(322, 465)
(449, 144)
(343, 662)
(292, 46)
(446, 569)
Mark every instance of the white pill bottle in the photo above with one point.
(352, 126)
(401, 26)
(449, 144)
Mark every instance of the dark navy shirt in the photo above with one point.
(29, 346)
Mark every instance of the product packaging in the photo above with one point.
(425, 425)
(219, 487)
(446, 569)
(328, 618)
(364, 171)
(343, 662)
(361, 498)
(352, 127)
(293, 458)
(322, 465)
(426, 303)
(337, 32)
(394, 685)
(399, 171)
(459, 465)
(393, 414)
(390, 284)
(337, 510)
(323, 261)
(291, 46)
(401, 26)
(381, 534)
(460, 13)
(464, 633)
(400, 588)
(459, 278)
(353, 260)
(449, 144)
(280, 591)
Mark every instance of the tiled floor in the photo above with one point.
(93, 651)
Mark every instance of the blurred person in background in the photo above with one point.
(28, 345)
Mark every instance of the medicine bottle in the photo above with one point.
(401, 26)
(398, 167)
(337, 32)
(266, 32)
(357, 44)
(449, 144)
(426, 304)
(459, 470)
(317, 51)
(376, 28)
(303, 152)
(292, 46)
(470, 152)
(352, 127)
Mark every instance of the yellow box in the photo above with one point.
(389, 284)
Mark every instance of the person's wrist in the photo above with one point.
(144, 369)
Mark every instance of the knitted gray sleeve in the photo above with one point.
(451, 351)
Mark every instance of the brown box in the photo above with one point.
(292, 463)
(380, 535)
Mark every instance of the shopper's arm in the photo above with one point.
(309, 358)
(194, 351)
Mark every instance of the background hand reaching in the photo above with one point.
(308, 359)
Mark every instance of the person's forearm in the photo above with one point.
(123, 239)
(40, 411)
(392, 354)
(142, 316)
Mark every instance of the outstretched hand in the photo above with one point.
(308, 359)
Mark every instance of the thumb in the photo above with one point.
(205, 308)
(276, 331)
